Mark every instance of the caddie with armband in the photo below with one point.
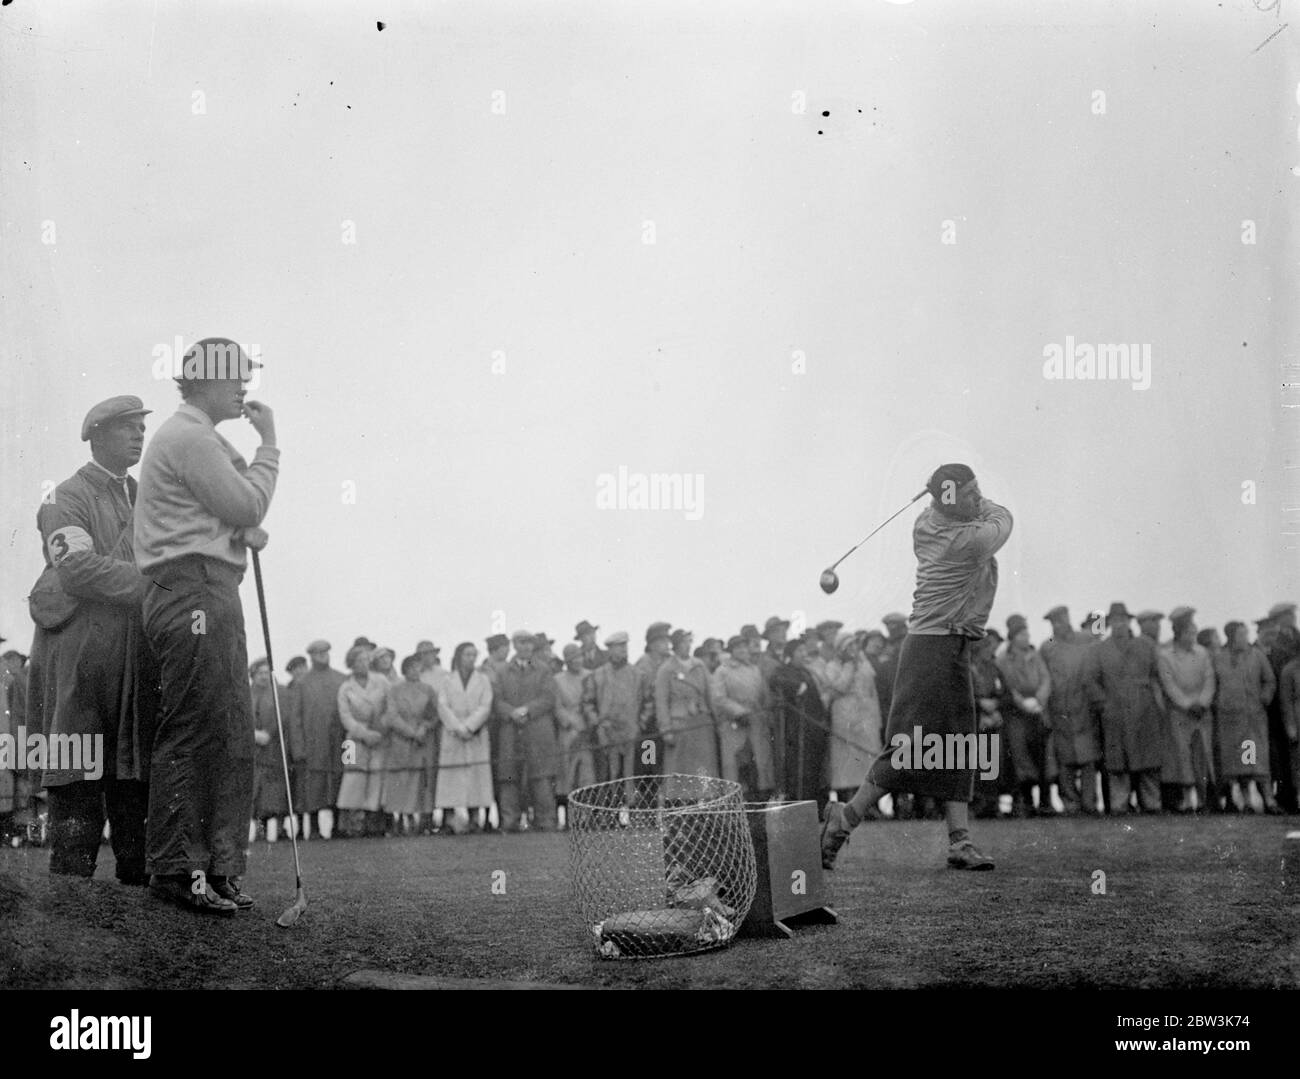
(200, 508)
(92, 687)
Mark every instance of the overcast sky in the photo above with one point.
(498, 251)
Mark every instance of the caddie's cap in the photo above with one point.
(679, 635)
(497, 640)
(583, 627)
(542, 639)
(892, 617)
(1280, 609)
(115, 408)
(750, 631)
(571, 650)
(425, 647)
(1116, 612)
(774, 623)
(319, 645)
(1060, 609)
(616, 638)
(827, 628)
(1015, 623)
(712, 644)
(1179, 614)
(522, 635)
(364, 642)
(735, 642)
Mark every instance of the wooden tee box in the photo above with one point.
(787, 855)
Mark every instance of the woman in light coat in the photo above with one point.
(856, 735)
(363, 702)
(465, 762)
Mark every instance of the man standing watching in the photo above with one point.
(1122, 675)
(525, 705)
(1076, 741)
(612, 705)
(955, 540)
(93, 674)
(316, 737)
(200, 509)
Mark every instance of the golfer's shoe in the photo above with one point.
(177, 890)
(965, 855)
(835, 833)
(228, 889)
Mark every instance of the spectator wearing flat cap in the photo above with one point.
(743, 706)
(658, 647)
(316, 740)
(200, 510)
(1246, 687)
(613, 701)
(1121, 674)
(382, 662)
(1283, 646)
(92, 672)
(464, 707)
(1187, 675)
(1026, 721)
(525, 705)
(1075, 733)
(684, 707)
(592, 655)
(577, 746)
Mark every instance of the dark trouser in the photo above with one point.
(644, 796)
(1148, 790)
(77, 814)
(1078, 786)
(200, 792)
(541, 794)
(1280, 754)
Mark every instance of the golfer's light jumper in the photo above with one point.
(196, 494)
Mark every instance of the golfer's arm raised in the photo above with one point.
(236, 499)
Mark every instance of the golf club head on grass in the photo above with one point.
(290, 916)
(829, 581)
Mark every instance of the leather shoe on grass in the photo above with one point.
(177, 890)
(228, 889)
(965, 855)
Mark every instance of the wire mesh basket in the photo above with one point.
(662, 865)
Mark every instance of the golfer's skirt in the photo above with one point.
(932, 692)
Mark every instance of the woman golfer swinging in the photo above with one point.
(955, 539)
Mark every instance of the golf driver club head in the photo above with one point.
(829, 581)
(290, 916)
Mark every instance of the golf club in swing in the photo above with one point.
(300, 900)
(829, 581)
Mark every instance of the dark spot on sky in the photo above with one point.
(859, 110)
(379, 25)
(349, 106)
(1243, 344)
(5, 3)
(819, 132)
(827, 112)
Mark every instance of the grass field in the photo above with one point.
(1189, 903)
